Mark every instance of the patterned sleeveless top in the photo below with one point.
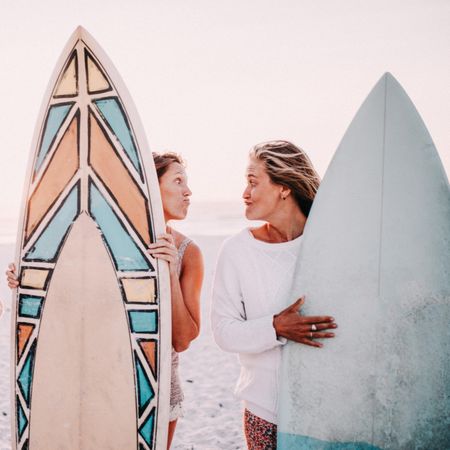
(176, 393)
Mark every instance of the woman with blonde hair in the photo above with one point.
(185, 266)
(253, 277)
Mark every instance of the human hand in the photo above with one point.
(164, 248)
(290, 324)
(11, 276)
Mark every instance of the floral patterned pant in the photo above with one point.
(259, 434)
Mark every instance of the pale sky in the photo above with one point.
(211, 78)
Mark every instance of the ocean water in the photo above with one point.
(214, 219)
(222, 218)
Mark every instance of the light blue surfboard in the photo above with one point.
(376, 256)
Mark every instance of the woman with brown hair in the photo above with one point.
(185, 266)
(253, 279)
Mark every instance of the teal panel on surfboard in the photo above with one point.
(145, 391)
(143, 321)
(147, 428)
(22, 419)
(49, 242)
(376, 256)
(124, 250)
(26, 374)
(55, 118)
(30, 306)
(112, 112)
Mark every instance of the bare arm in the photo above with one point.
(185, 291)
(186, 300)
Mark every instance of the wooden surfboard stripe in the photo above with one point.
(139, 290)
(55, 117)
(97, 81)
(116, 178)
(62, 167)
(65, 189)
(34, 278)
(67, 85)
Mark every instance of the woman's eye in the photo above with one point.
(178, 181)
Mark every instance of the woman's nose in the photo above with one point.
(246, 193)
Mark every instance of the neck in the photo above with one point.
(285, 225)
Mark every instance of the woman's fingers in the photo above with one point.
(165, 237)
(10, 274)
(311, 343)
(307, 330)
(317, 319)
(12, 267)
(167, 258)
(163, 249)
(319, 335)
(299, 303)
(161, 244)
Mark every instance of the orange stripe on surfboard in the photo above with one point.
(111, 170)
(23, 335)
(149, 349)
(62, 167)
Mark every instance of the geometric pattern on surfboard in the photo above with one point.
(86, 160)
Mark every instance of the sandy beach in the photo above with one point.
(212, 415)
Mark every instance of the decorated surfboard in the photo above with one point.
(376, 256)
(91, 317)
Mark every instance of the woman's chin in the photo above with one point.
(177, 216)
(250, 215)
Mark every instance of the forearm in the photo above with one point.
(245, 336)
(184, 327)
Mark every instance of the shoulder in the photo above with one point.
(236, 244)
(192, 258)
(178, 237)
(192, 250)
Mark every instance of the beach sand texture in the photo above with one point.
(213, 417)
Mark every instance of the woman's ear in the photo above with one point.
(285, 192)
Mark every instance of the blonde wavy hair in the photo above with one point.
(289, 166)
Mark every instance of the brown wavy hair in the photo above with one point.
(164, 160)
(289, 166)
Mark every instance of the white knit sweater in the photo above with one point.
(252, 283)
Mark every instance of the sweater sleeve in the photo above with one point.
(232, 331)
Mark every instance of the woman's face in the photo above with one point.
(175, 192)
(261, 196)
